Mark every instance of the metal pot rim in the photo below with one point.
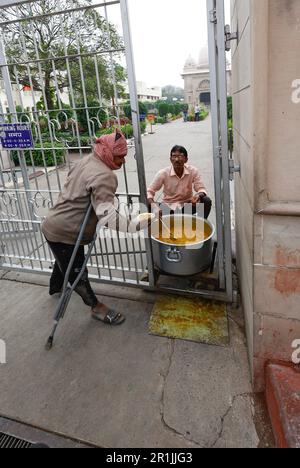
(213, 230)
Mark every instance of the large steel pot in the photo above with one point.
(182, 260)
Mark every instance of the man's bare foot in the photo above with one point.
(105, 314)
(100, 310)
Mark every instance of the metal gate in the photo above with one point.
(47, 59)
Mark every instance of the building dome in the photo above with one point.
(203, 61)
(190, 63)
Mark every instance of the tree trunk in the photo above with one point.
(48, 92)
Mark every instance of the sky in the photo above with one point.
(164, 34)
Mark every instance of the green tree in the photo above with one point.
(178, 107)
(96, 114)
(171, 109)
(163, 109)
(172, 92)
(127, 109)
(83, 32)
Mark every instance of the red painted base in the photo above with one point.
(283, 400)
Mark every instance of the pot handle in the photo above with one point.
(175, 252)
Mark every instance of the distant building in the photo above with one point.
(20, 94)
(26, 98)
(146, 94)
(197, 79)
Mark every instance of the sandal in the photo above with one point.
(54, 290)
(111, 318)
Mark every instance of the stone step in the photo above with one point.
(283, 400)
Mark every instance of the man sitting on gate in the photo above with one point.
(178, 182)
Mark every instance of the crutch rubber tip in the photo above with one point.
(49, 344)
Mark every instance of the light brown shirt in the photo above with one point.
(90, 180)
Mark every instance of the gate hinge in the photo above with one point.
(219, 152)
(229, 36)
(213, 16)
(233, 169)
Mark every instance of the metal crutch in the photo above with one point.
(68, 289)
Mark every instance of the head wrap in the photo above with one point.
(109, 146)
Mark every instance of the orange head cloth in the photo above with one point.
(109, 146)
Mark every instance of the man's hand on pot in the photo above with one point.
(144, 221)
(197, 198)
(155, 209)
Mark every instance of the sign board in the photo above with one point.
(151, 117)
(16, 136)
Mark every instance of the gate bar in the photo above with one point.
(55, 13)
(217, 54)
(222, 77)
(136, 126)
(11, 3)
(12, 109)
(216, 138)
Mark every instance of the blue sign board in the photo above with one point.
(16, 136)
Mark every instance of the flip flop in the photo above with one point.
(111, 318)
(54, 290)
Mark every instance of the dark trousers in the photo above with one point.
(206, 201)
(207, 206)
(62, 254)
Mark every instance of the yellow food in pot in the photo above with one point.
(184, 233)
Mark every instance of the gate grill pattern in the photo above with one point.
(63, 72)
(11, 442)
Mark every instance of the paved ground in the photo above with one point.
(121, 387)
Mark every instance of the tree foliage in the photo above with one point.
(127, 109)
(163, 109)
(37, 50)
(172, 92)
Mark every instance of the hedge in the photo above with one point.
(59, 152)
(204, 114)
(52, 157)
(160, 120)
(127, 130)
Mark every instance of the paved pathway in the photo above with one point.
(120, 387)
(194, 136)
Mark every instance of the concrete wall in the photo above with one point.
(266, 81)
(244, 196)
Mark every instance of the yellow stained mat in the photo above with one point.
(190, 319)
